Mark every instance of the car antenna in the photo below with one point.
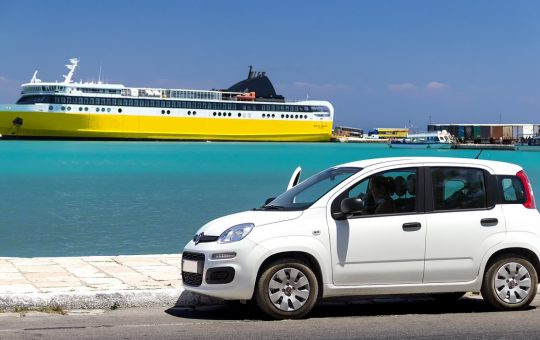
(478, 156)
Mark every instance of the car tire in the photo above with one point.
(286, 289)
(510, 283)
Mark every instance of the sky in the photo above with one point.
(381, 63)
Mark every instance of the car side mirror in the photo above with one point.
(352, 205)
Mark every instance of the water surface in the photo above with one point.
(66, 198)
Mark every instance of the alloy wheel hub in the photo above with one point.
(512, 283)
(288, 289)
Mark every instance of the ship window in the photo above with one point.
(125, 102)
(119, 110)
(130, 102)
(168, 104)
(50, 107)
(135, 102)
(63, 100)
(68, 100)
(91, 100)
(108, 101)
(194, 113)
(85, 101)
(113, 102)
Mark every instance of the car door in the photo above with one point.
(383, 244)
(462, 223)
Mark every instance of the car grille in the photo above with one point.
(192, 279)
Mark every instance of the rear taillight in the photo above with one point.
(529, 202)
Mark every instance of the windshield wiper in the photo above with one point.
(273, 207)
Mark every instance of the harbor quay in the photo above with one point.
(93, 282)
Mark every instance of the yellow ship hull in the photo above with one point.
(36, 124)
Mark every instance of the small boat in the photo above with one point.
(427, 140)
(530, 144)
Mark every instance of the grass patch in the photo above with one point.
(48, 309)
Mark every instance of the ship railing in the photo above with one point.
(179, 94)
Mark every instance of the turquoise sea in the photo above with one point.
(68, 198)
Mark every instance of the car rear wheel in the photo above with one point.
(510, 283)
(287, 289)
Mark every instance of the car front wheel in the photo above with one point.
(287, 289)
(510, 283)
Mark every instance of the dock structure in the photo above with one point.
(489, 133)
(472, 146)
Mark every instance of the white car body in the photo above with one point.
(372, 255)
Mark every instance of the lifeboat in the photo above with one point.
(246, 96)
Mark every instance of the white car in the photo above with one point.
(439, 226)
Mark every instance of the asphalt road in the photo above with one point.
(387, 318)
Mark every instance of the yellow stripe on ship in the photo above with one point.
(123, 126)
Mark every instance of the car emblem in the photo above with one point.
(197, 238)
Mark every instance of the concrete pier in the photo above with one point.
(93, 282)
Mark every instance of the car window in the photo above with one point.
(309, 191)
(512, 190)
(388, 192)
(458, 188)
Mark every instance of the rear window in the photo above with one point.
(512, 190)
(457, 188)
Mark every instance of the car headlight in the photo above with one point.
(235, 233)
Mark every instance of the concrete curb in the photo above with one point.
(104, 299)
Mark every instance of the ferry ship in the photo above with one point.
(247, 111)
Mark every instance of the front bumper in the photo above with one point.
(229, 279)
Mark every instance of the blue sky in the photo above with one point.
(381, 63)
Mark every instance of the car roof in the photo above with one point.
(496, 166)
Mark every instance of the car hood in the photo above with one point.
(258, 218)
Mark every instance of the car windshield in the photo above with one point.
(309, 191)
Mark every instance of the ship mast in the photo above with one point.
(71, 68)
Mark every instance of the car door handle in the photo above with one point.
(489, 222)
(412, 226)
